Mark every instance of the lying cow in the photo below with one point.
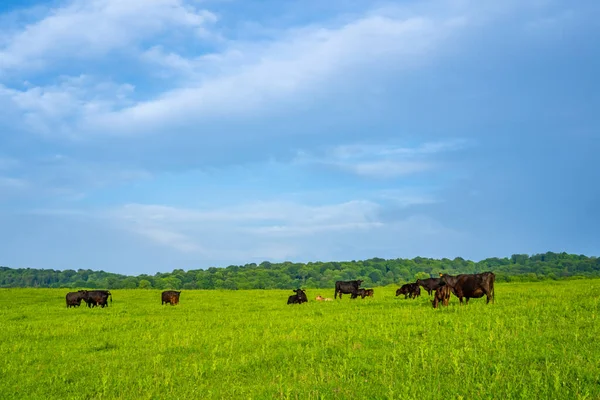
(170, 297)
(430, 284)
(471, 285)
(298, 298)
(442, 294)
(74, 298)
(321, 298)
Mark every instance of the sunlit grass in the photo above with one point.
(539, 340)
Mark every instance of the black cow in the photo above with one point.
(403, 290)
(415, 291)
(95, 298)
(430, 284)
(411, 290)
(170, 296)
(298, 298)
(471, 285)
(74, 298)
(442, 294)
(347, 287)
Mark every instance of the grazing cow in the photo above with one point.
(415, 291)
(411, 290)
(298, 298)
(95, 298)
(74, 298)
(369, 292)
(430, 284)
(170, 296)
(442, 294)
(403, 290)
(347, 287)
(471, 285)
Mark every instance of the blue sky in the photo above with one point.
(149, 135)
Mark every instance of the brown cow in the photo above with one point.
(471, 285)
(442, 294)
(170, 297)
(74, 298)
(364, 293)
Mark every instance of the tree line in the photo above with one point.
(290, 275)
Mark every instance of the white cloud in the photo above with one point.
(92, 28)
(382, 161)
(299, 63)
(51, 110)
(268, 230)
(245, 79)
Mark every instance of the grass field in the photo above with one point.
(538, 341)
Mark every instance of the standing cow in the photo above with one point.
(95, 298)
(74, 298)
(471, 285)
(347, 287)
(430, 284)
(171, 297)
(411, 290)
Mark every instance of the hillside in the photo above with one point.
(286, 275)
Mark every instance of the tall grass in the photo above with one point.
(539, 340)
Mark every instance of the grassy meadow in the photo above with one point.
(538, 341)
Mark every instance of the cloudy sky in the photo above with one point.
(145, 135)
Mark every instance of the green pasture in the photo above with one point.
(538, 341)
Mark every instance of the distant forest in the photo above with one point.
(289, 275)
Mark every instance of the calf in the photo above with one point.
(298, 298)
(170, 297)
(321, 298)
(347, 287)
(364, 293)
(442, 294)
(415, 291)
(411, 290)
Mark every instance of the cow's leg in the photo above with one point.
(488, 295)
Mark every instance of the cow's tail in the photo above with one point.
(493, 292)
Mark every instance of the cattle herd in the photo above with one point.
(95, 298)
(464, 286)
(92, 298)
